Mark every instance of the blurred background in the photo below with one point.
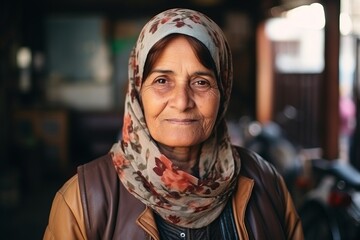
(63, 71)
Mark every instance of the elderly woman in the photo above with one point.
(175, 174)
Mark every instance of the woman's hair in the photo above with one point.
(199, 48)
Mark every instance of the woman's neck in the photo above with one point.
(185, 158)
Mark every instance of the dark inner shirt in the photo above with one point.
(222, 227)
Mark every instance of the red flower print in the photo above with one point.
(151, 189)
(174, 219)
(160, 166)
(120, 161)
(196, 207)
(195, 18)
(177, 180)
(154, 27)
(137, 81)
(126, 127)
(210, 183)
(174, 195)
(134, 65)
(164, 20)
(200, 209)
(179, 24)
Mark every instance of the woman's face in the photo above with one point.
(180, 97)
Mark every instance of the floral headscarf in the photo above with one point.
(177, 196)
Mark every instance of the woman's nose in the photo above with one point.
(182, 97)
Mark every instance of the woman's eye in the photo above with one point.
(201, 83)
(160, 81)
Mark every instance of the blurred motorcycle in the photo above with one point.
(270, 143)
(331, 211)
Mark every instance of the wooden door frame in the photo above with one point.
(331, 116)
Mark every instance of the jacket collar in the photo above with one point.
(240, 202)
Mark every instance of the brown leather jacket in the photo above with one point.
(94, 205)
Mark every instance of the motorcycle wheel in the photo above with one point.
(318, 222)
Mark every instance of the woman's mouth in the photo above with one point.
(185, 121)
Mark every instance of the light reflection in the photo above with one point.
(345, 24)
(307, 16)
(23, 57)
(300, 36)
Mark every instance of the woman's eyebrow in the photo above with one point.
(163, 71)
(205, 73)
(197, 73)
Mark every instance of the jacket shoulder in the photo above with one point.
(254, 166)
(66, 207)
(270, 201)
(109, 209)
(99, 189)
(98, 176)
(102, 165)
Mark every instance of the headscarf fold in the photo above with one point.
(177, 196)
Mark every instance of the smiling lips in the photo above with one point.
(178, 121)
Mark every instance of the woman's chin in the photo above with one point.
(180, 143)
